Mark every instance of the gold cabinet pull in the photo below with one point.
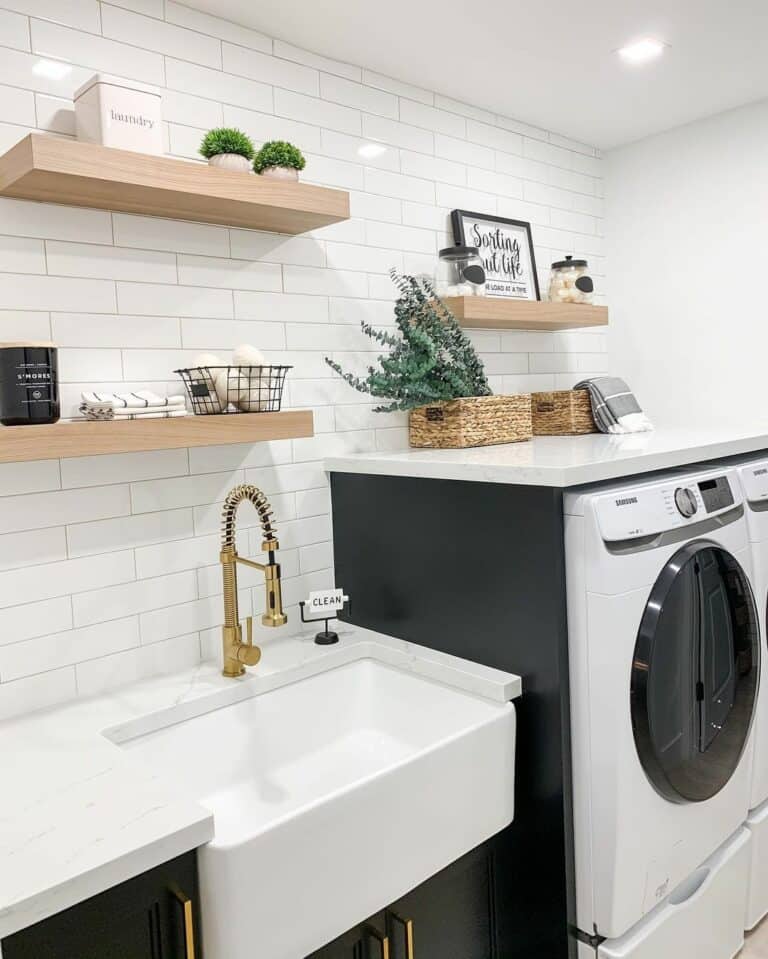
(382, 940)
(407, 926)
(189, 923)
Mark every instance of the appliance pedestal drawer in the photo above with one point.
(702, 917)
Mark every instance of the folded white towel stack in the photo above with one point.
(115, 415)
(143, 404)
(141, 399)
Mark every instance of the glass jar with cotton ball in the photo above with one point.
(460, 272)
(248, 385)
(570, 281)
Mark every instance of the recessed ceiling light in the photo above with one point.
(642, 50)
(371, 150)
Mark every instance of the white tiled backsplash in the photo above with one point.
(109, 563)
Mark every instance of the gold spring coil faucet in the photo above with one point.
(239, 654)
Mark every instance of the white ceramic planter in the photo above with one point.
(230, 161)
(280, 173)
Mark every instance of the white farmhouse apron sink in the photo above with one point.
(333, 796)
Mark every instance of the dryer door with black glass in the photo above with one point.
(695, 673)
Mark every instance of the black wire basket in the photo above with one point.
(234, 389)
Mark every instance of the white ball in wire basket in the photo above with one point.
(232, 388)
(247, 355)
(252, 399)
(206, 359)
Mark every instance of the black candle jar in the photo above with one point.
(29, 383)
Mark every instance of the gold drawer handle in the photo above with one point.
(383, 941)
(407, 925)
(189, 923)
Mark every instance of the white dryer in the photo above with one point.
(664, 665)
(753, 475)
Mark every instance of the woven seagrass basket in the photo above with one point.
(562, 413)
(472, 421)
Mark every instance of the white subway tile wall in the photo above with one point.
(108, 564)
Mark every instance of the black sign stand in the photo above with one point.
(327, 637)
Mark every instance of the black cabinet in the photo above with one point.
(365, 941)
(153, 916)
(447, 917)
(508, 611)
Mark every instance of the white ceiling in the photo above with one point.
(546, 62)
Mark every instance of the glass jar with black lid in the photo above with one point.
(570, 281)
(460, 272)
(29, 383)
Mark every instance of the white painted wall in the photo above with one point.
(687, 230)
(108, 564)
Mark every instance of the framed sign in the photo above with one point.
(506, 248)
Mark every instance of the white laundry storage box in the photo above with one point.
(119, 113)
(757, 900)
(701, 918)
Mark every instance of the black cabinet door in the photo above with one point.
(447, 917)
(345, 947)
(153, 916)
(364, 941)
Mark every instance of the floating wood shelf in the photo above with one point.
(83, 174)
(87, 438)
(491, 312)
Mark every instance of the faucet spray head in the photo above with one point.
(274, 615)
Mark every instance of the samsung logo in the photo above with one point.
(627, 501)
(762, 471)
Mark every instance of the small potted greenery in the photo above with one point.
(279, 161)
(228, 149)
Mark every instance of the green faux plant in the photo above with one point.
(430, 361)
(281, 154)
(226, 140)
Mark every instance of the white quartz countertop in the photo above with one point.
(560, 461)
(78, 814)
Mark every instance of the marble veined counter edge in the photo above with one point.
(560, 461)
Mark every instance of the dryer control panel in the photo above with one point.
(716, 493)
(649, 510)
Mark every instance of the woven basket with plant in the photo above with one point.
(433, 371)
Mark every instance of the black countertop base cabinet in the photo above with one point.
(478, 570)
(143, 918)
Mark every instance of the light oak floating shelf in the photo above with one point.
(495, 313)
(83, 174)
(87, 438)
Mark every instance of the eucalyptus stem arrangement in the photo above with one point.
(430, 361)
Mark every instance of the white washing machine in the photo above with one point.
(664, 665)
(753, 475)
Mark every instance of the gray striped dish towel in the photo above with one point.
(614, 406)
